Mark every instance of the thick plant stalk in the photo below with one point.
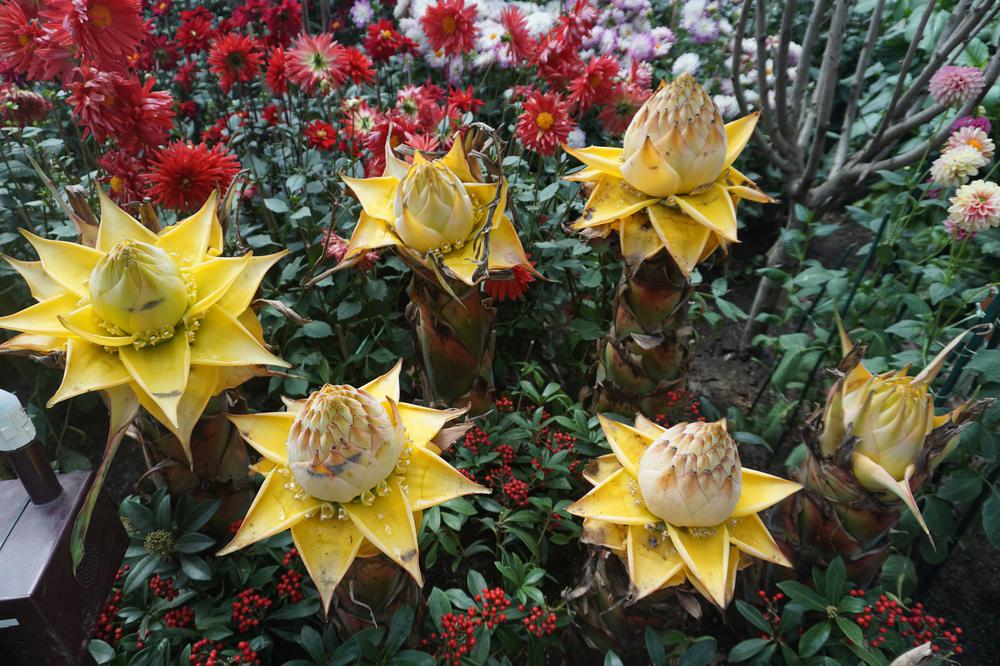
(454, 337)
(219, 462)
(647, 350)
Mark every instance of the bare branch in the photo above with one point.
(855, 94)
(767, 112)
(736, 68)
(803, 69)
(904, 69)
(825, 89)
(781, 75)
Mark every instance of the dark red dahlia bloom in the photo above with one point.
(450, 26)
(623, 103)
(93, 96)
(359, 67)
(544, 122)
(234, 58)
(145, 116)
(382, 41)
(463, 101)
(158, 52)
(195, 33)
(595, 84)
(317, 62)
(19, 38)
(23, 107)
(283, 21)
(182, 175)
(123, 176)
(160, 7)
(185, 75)
(512, 288)
(276, 75)
(249, 11)
(106, 31)
(271, 114)
(320, 135)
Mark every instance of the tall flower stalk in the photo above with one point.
(446, 218)
(670, 193)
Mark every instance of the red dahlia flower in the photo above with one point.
(283, 20)
(124, 176)
(382, 41)
(104, 30)
(19, 37)
(544, 123)
(463, 101)
(512, 288)
(317, 61)
(144, 116)
(595, 84)
(625, 100)
(182, 175)
(450, 26)
(518, 41)
(195, 33)
(92, 96)
(359, 67)
(234, 58)
(320, 135)
(276, 75)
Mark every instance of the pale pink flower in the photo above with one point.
(975, 206)
(954, 86)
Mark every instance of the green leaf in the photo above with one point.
(745, 650)
(139, 573)
(348, 309)
(399, 628)
(701, 653)
(548, 192)
(313, 644)
(475, 582)
(611, 658)
(654, 648)
(412, 658)
(851, 630)
(813, 639)
(317, 329)
(438, 604)
(193, 542)
(200, 514)
(986, 363)
(276, 205)
(195, 567)
(836, 578)
(962, 485)
(100, 651)
(803, 595)
(752, 615)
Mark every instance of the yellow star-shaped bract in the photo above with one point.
(689, 226)
(174, 379)
(660, 555)
(327, 541)
(499, 249)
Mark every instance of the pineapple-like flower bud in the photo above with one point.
(432, 209)
(343, 442)
(890, 414)
(138, 288)
(691, 475)
(676, 142)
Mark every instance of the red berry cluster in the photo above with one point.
(163, 587)
(290, 585)
(506, 452)
(205, 653)
(682, 407)
(517, 491)
(249, 608)
(771, 614)
(291, 557)
(915, 624)
(538, 623)
(457, 628)
(505, 405)
(107, 619)
(179, 618)
(475, 439)
(555, 441)
(246, 655)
